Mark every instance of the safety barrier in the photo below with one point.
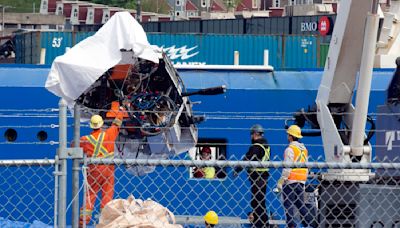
(324, 203)
(27, 192)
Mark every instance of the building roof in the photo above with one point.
(217, 5)
(190, 6)
(241, 7)
(52, 6)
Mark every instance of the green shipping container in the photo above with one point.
(323, 53)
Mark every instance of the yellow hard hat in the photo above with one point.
(96, 122)
(211, 218)
(295, 131)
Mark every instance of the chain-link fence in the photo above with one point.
(188, 186)
(26, 192)
(315, 203)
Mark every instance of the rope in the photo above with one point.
(80, 189)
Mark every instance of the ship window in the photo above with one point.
(10, 135)
(208, 149)
(42, 136)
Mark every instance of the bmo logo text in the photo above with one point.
(324, 26)
(309, 26)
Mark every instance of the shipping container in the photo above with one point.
(324, 39)
(228, 26)
(151, 27)
(297, 25)
(268, 25)
(310, 25)
(219, 49)
(180, 27)
(300, 52)
(27, 48)
(55, 43)
(29, 45)
(323, 53)
(79, 36)
(213, 49)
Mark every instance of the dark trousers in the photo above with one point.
(293, 198)
(258, 182)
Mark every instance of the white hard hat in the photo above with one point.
(96, 122)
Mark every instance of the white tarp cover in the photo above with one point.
(75, 71)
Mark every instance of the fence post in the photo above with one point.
(76, 169)
(56, 189)
(62, 155)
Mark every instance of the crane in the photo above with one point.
(351, 54)
(341, 114)
(350, 59)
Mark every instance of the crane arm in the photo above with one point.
(349, 62)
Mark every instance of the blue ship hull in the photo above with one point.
(22, 94)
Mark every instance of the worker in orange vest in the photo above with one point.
(292, 181)
(99, 144)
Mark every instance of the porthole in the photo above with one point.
(42, 136)
(10, 135)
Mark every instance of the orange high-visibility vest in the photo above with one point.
(99, 151)
(104, 139)
(300, 155)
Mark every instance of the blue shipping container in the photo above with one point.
(29, 45)
(300, 52)
(55, 44)
(213, 49)
(219, 49)
(79, 36)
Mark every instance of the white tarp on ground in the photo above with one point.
(75, 71)
(136, 213)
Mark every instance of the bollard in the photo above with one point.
(42, 56)
(236, 58)
(266, 57)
